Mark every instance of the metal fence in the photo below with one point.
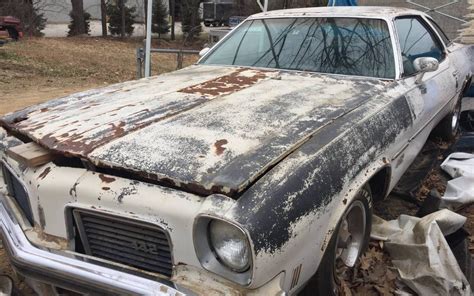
(179, 58)
(437, 9)
(451, 15)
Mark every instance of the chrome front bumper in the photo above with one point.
(69, 272)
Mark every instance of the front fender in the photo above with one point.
(291, 212)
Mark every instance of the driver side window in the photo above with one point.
(416, 40)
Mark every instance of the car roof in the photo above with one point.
(382, 12)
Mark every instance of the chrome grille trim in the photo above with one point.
(134, 243)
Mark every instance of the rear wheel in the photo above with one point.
(348, 242)
(13, 33)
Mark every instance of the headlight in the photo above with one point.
(230, 245)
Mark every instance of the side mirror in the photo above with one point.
(423, 65)
(204, 51)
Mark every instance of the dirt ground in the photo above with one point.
(36, 70)
(39, 69)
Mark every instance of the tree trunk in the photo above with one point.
(103, 16)
(122, 11)
(145, 7)
(78, 16)
(173, 16)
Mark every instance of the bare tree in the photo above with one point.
(77, 15)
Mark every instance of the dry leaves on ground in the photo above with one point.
(373, 274)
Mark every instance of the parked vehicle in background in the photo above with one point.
(4, 36)
(234, 21)
(217, 13)
(12, 26)
(251, 172)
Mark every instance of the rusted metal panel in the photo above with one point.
(225, 145)
(228, 84)
(217, 132)
(79, 123)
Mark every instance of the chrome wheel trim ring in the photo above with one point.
(351, 234)
(456, 117)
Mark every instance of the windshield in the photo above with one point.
(350, 46)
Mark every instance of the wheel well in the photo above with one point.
(379, 183)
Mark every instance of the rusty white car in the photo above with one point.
(250, 172)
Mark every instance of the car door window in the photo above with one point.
(441, 33)
(416, 40)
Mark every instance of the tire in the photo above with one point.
(13, 33)
(448, 128)
(325, 282)
(207, 24)
(467, 120)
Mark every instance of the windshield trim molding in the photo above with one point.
(388, 21)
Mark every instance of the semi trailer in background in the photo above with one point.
(217, 13)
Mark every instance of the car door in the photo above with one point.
(430, 98)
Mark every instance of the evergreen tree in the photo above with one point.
(115, 18)
(160, 18)
(72, 25)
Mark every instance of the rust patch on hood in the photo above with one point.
(175, 132)
(227, 84)
(219, 145)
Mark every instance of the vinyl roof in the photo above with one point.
(340, 11)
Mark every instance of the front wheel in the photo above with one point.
(348, 242)
(448, 128)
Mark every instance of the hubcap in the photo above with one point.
(351, 234)
(455, 118)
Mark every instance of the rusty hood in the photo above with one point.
(204, 128)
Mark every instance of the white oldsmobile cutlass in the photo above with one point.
(251, 172)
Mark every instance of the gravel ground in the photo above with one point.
(5, 269)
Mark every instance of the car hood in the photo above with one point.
(205, 129)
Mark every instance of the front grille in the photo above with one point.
(125, 241)
(17, 191)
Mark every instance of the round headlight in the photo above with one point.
(230, 245)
